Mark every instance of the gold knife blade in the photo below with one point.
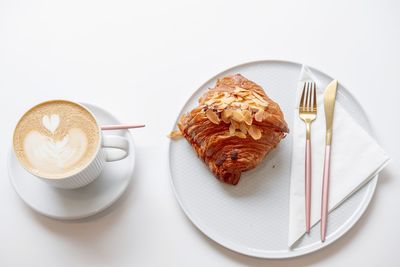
(329, 106)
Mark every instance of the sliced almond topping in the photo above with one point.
(249, 101)
(226, 115)
(240, 135)
(245, 106)
(201, 100)
(258, 96)
(254, 107)
(259, 115)
(228, 100)
(243, 128)
(212, 116)
(226, 120)
(209, 102)
(227, 133)
(260, 103)
(239, 89)
(236, 105)
(248, 118)
(235, 124)
(232, 129)
(222, 106)
(244, 95)
(175, 134)
(219, 95)
(237, 115)
(254, 110)
(255, 132)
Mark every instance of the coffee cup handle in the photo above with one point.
(119, 145)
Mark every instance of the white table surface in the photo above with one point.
(141, 60)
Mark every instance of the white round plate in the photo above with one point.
(252, 218)
(69, 204)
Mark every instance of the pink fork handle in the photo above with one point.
(308, 185)
(325, 193)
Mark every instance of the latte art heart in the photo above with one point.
(48, 155)
(51, 123)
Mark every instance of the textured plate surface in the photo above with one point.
(252, 217)
(68, 204)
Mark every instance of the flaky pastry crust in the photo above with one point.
(234, 127)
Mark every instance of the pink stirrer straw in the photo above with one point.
(121, 126)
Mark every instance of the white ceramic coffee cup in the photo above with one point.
(92, 170)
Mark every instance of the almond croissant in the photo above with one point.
(234, 127)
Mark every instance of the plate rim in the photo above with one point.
(348, 224)
(86, 215)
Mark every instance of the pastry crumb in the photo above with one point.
(175, 134)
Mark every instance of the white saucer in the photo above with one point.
(69, 204)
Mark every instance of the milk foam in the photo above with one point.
(52, 156)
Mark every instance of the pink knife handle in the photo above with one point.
(325, 193)
(308, 185)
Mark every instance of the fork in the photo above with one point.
(308, 113)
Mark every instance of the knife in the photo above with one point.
(329, 106)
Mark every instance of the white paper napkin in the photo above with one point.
(355, 159)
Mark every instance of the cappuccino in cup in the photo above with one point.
(56, 139)
(61, 140)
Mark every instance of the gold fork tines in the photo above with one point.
(308, 103)
(308, 113)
